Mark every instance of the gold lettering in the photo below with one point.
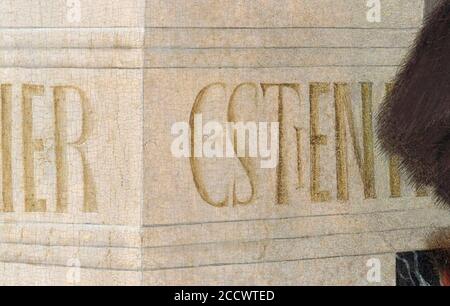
(195, 161)
(394, 175)
(30, 146)
(366, 165)
(421, 192)
(245, 161)
(6, 92)
(317, 140)
(348, 128)
(300, 169)
(394, 164)
(368, 141)
(341, 99)
(282, 177)
(61, 145)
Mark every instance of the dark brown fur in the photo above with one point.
(414, 122)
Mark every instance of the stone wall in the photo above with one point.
(92, 193)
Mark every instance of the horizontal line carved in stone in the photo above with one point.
(350, 270)
(71, 38)
(82, 13)
(281, 38)
(272, 58)
(272, 13)
(269, 67)
(51, 265)
(292, 228)
(244, 253)
(71, 58)
(82, 235)
(102, 258)
(22, 274)
(306, 259)
(335, 209)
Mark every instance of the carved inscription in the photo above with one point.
(354, 140)
(60, 141)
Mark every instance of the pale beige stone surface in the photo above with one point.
(14, 274)
(232, 50)
(273, 13)
(140, 65)
(111, 148)
(171, 101)
(263, 38)
(105, 240)
(341, 271)
(54, 14)
(88, 141)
